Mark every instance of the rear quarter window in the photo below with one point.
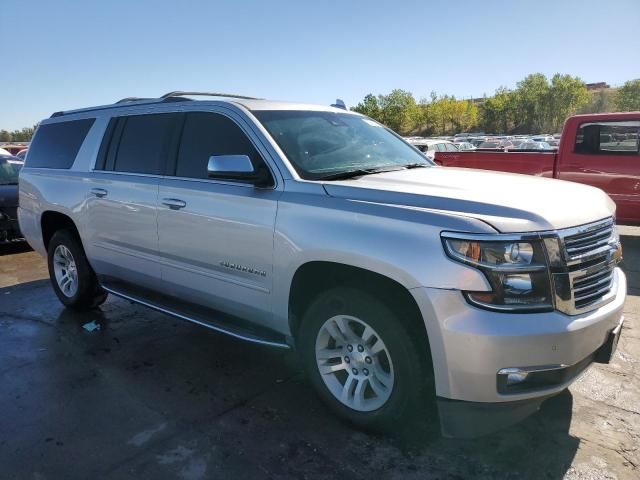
(56, 145)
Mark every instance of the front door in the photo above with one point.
(216, 235)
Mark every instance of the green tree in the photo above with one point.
(499, 113)
(628, 96)
(369, 106)
(399, 111)
(531, 104)
(600, 101)
(5, 136)
(566, 95)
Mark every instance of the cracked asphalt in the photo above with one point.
(149, 396)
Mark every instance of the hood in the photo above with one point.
(509, 202)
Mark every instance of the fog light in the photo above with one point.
(513, 375)
(518, 284)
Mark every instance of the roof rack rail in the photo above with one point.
(205, 94)
(176, 96)
(132, 99)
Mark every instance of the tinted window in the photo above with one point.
(57, 144)
(144, 143)
(9, 170)
(611, 138)
(207, 134)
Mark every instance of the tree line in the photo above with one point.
(536, 105)
(23, 135)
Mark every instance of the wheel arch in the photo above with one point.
(51, 221)
(313, 277)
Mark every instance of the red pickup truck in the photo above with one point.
(596, 149)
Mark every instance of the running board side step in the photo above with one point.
(216, 326)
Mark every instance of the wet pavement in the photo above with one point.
(149, 396)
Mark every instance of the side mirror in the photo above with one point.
(237, 167)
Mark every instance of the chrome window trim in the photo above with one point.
(243, 124)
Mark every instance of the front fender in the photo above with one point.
(399, 243)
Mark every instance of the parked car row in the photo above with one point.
(19, 149)
(463, 142)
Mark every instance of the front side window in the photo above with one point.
(610, 138)
(210, 134)
(320, 144)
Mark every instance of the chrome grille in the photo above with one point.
(590, 288)
(586, 242)
(583, 260)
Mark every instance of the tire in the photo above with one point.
(66, 259)
(407, 372)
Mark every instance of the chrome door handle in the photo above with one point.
(174, 203)
(99, 192)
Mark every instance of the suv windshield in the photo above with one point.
(9, 171)
(321, 145)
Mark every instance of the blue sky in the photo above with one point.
(64, 54)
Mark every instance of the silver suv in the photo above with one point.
(316, 228)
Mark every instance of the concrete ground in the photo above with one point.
(149, 396)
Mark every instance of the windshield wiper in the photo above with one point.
(358, 172)
(409, 166)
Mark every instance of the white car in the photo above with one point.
(542, 138)
(465, 146)
(429, 146)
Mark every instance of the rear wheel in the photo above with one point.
(73, 279)
(361, 360)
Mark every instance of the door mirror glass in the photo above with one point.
(230, 166)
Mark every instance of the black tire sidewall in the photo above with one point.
(89, 293)
(410, 378)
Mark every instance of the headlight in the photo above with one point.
(516, 270)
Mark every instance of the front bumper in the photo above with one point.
(470, 345)
(460, 419)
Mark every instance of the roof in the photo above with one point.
(254, 104)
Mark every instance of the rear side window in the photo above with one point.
(56, 145)
(206, 134)
(141, 144)
(608, 138)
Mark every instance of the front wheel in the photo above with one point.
(73, 279)
(360, 358)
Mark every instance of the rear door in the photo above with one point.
(605, 154)
(215, 234)
(121, 213)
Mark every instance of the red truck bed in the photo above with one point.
(530, 163)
